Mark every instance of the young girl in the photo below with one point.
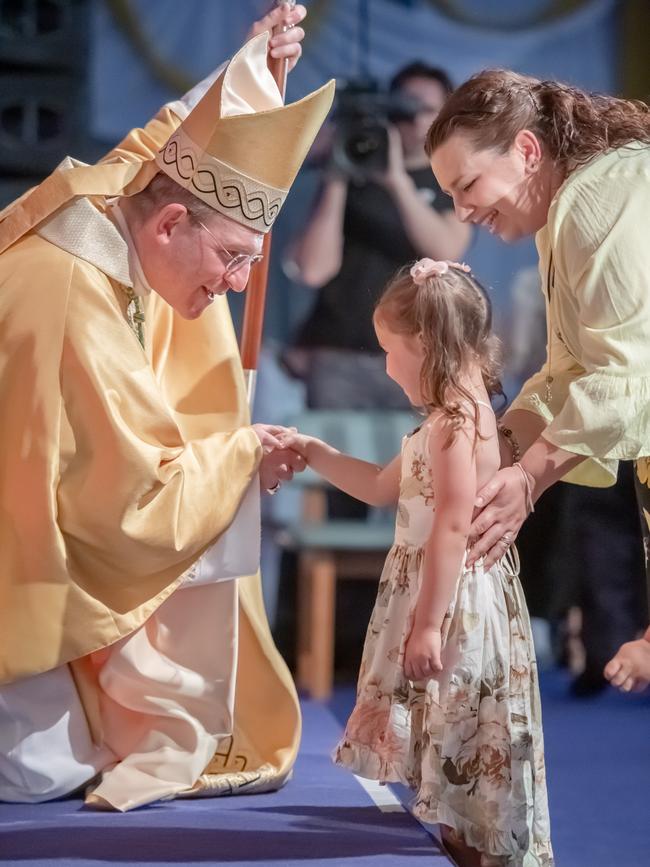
(447, 699)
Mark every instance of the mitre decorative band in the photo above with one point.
(221, 186)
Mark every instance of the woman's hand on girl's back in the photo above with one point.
(502, 507)
(422, 654)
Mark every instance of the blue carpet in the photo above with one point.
(323, 816)
(598, 773)
(598, 768)
(598, 761)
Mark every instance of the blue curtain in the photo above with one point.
(579, 47)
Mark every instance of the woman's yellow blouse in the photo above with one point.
(595, 270)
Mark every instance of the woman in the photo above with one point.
(522, 156)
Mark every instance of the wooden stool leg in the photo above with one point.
(316, 607)
(321, 616)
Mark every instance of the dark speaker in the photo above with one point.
(42, 119)
(49, 34)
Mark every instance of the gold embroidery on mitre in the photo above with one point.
(219, 185)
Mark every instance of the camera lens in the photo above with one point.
(360, 145)
(361, 148)
(363, 144)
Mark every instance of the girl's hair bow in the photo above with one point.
(425, 268)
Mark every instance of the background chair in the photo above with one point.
(331, 549)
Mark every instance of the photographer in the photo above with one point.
(367, 221)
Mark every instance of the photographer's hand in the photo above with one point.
(437, 235)
(395, 173)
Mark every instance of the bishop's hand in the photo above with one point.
(283, 45)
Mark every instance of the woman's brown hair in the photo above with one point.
(572, 125)
(452, 315)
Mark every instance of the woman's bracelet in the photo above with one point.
(512, 442)
(529, 493)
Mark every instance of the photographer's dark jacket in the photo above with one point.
(375, 246)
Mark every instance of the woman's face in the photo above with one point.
(507, 193)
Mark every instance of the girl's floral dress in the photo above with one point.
(468, 741)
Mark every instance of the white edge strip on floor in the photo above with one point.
(381, 796)
(386, 801)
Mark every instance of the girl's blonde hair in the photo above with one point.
(452, 315)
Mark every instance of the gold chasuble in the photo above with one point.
(120, 466)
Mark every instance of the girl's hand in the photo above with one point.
(269, 436)
(283, 45)
(291, 439)
(503, 506)
(422, 654)
(280, 459)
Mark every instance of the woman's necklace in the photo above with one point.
(550, 280)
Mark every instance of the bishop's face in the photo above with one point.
(188, 262)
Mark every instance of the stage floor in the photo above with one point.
(598, 758)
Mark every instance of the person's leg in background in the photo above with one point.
(629, 668)
(545, 576)
(610, 567)
(642, 490)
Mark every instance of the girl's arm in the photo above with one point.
(453, 466)
(375, 485)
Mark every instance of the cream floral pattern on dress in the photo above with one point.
(469, 741)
